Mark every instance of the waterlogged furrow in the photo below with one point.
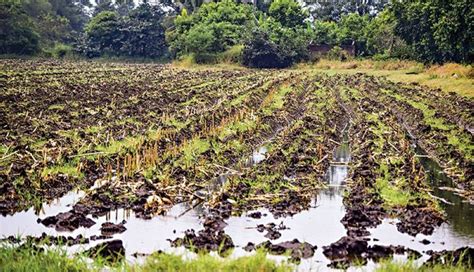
(57, 165)
(439, 123)
(387, 177)
(297, 161)
(190, 166)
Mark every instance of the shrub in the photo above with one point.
(205, 58)
(337, 53)
(261, 52)
(232, 55)
(61, 50)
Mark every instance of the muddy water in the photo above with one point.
(457, 232)
(319, 225)
(24, 223)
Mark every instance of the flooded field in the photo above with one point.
(321, 171)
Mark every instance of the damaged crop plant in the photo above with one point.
(243, 152)
(282, 135)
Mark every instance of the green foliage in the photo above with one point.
(214, 28)
(61, 50)
(261, 52)
(102, 34)
(140, 34)
(232, 55)
(326, 32)
(279, 42)
(336, 53)
(381, 38)
(257, 262)
(437, 31)
(31, 258)
(288, 12)
(17, 33)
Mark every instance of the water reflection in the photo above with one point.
(460, 214)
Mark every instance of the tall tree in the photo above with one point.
(437, 30)
(17, 34)
(288, 12)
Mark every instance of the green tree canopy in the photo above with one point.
(435, 30)
(288, 12)
(139, 34)
(215, 27)
(17, 33)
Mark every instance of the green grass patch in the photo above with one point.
(39, 144)
(456, 138)
(237, 127)
(175, 123)
(28, 259)
(67, 169)
(93, 129)
(167, 262)
(392, 195)
(56, 107)
(238, 100)
(277, 100)
(193, 149)
(31, 260)
(409, 266)
(129, 120)
(129, 143)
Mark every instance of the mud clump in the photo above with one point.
(415, 220)
(272, 230)
(211, 238)
(346, 247)
(348, 250)
(291, 205)
(255, 215)
(295, 248)
(111, 251)
(462, 256)
(108, 228)
(99, 237)
(249, 247)
(45, 239)
(361, 217)
(67, 221)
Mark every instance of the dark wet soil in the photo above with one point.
(75, 115)
(45, 239)
(67, 221)
(356, 249)
(414, 221)
(297, 250)
(110, 251)
(109, 229)
(463, 256)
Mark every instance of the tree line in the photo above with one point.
(263, 34)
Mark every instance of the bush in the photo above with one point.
(61, 50)
(337, 53)
(232, 55)
(205, 58)
(261, 52)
